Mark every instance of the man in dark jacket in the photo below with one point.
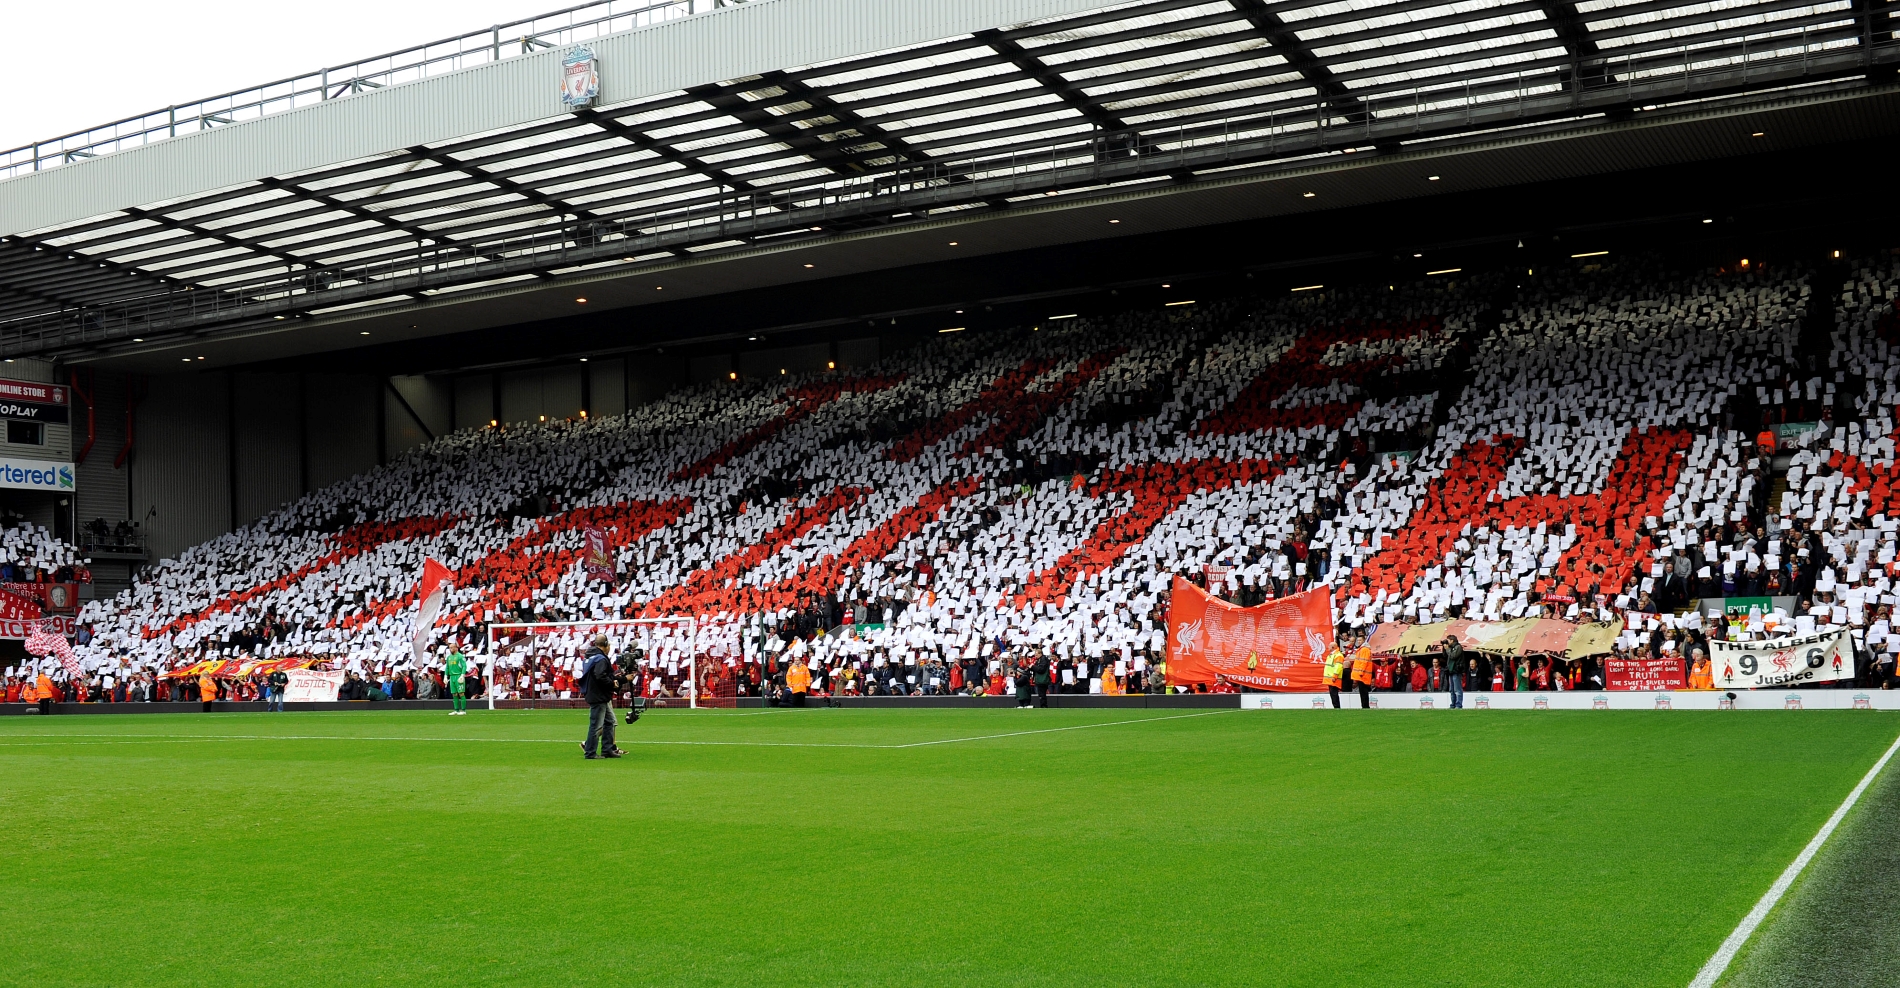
(1455, 669)
(597, 686)
(275, 692)
(1040, 673)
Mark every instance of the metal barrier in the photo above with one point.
(561, 27)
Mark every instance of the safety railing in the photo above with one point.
(562, 27)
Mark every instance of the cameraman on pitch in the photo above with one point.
(597, 685)
(630, 678)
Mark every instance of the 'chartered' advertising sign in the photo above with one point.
(35, 475)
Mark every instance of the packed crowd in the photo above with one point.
(1594, 451)
(31, 553)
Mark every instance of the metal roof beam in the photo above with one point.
(1875, 20)
(508, 185)
(344, 206)
(154, 216)
(662, 150)
(846, 154)
(41, 298)
(1301, 58)
(1586, 68)
(1051, 80)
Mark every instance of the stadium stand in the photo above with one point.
(1581, 445)
(31, 553)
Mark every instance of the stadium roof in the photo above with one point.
(1089, 101)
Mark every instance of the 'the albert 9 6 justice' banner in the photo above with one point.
(1280, 645)
(1780, 662)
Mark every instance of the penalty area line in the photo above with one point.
(1725, 954)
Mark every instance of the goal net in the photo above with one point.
(681, 661)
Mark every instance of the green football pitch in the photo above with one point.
(905, 848)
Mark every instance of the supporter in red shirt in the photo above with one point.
(1540, 675)
(13, 690)
(1382, 676)
(1420, 679)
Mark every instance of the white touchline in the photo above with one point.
(1724, 955)
(153, 738)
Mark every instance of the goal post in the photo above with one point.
(668, 644)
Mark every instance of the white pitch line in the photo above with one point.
(144, 738)
(1724, 955)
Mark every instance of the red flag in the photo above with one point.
(44, 641)
(436, 583)
(595, 558)
(1280, 645)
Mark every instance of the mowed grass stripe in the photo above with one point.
(1548, 848)
(129, 738)
(1840, 926)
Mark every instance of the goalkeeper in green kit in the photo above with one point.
(456, 673)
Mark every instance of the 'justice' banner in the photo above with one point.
(1280, 645)
(1780, 662)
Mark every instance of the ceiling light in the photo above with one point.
(752, 338)
(201, 358)
(363, 333)
(831, 365)
(1173, 304)
(185, 359)
(733, 376)
(1113, 222)
(953, 329)
(583, 360)
(1756, 134)
(1708, 221)
(959, 312)
(817, 229)
(1167, 286)
(1308, 288)
(1431, 178)
(581, 301)
(138, 339)
(1418, 255)
(1066, 315)
(1308, 195)
(1445, 271)
(1591, 253)
(626, 258)
(953, 243)
(659, 288)
(277, 317)
(811, 265)
(781, 372)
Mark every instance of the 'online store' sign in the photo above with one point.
(35, 475)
